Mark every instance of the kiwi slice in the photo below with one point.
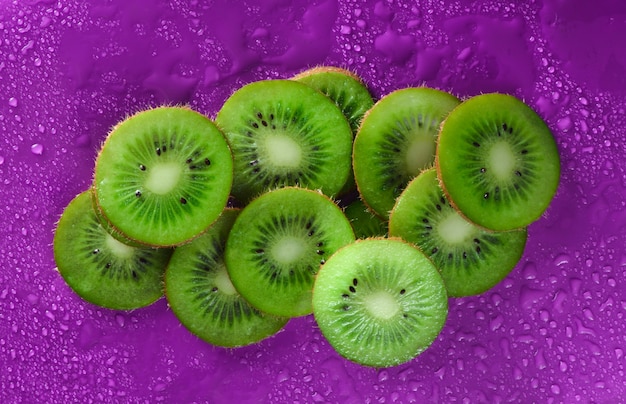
(365, 223)
(163, 176)
(344, 87)
(379, 302)
(471, 259)
(498, 161)
(99, 268)
(121, 237)
(396, 141)
(277, 244)
(285, 133)
(201, 295)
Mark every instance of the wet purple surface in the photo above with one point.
(552, 331)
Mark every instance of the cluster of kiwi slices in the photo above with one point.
(304, 196)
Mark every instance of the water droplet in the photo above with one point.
(37, 149)
(529, 270)
(1, 160)
(45, 21)
(561, 259)
(398, 48)
(496, 323)
(464, 53)
(540, 360)
(528, 296)
(32, 299)
(13, 102)
(82, 140)
(564, 123)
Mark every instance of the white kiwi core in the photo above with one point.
(283, 151)
(163, 177)
(223, 283)
(454, 229)
(420, 154)
(288, 250)
(501, 160)
(118, 249)
(382, 305)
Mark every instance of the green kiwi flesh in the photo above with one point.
(342, 86)
(498, 161)
(396, 141)
(470, 259)
(379, 302)
(201, 295)
(277, 244)
(365, 223)
(285, 133)
(99, 268)
(163, 176)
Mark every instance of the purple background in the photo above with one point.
(552, 331)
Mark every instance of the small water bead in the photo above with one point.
(13, 102)
(37, 149)
(564, 123)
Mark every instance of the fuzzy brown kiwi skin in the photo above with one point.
(94, 189)
(327, 69)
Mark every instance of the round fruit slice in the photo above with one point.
(100, 269)
(343, 87)
(379, 302)
(201, 295)
(396, 141)
(277, 244)
(470, 259)
(163, 176)
(498, 162)
(285, 133)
